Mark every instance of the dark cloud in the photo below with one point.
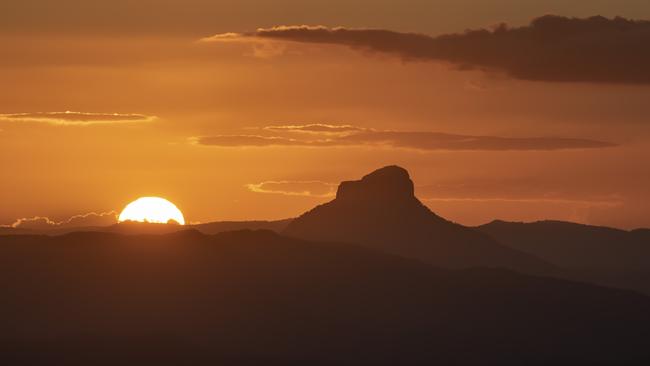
(311, 188)
(84, 220)
(424, 141)
(69, 118)
(550, 48)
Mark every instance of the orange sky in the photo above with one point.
(144, 91)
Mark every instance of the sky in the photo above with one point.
(239, 110)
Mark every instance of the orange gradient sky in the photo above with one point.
(250, 128)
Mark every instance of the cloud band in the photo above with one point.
(69, 118)
(550, 48)
(423, 141)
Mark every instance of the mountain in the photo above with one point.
(573, 245)
(258, 298)
(596, 254)
(149, 228)
(380, 211)
(8, 230)
(221, 226)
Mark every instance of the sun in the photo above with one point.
(153, 210)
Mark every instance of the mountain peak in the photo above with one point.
(381, 211)
(390, 182)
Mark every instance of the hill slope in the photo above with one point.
(257, 298)
(260, 298)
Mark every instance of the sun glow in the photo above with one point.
(153, 210)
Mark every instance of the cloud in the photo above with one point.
(318, 128)
(35, 223)
(531, 200)
(429, 141)
(261, 47)
(225, 37)
(312, 188)
(84, 220)
(517, 191)
(247, 141)
(423, 141)
(69, 118)
(521, 192)
(550, 48)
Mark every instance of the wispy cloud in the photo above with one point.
(530, 200)
(550, 48)
(247, 141)
(83, 220)
(69, 118)
(261, 47)
(310, 188)
(476, 191)
(523, 190)
(318, 128)
(351, 136)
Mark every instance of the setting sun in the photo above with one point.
(153, 210)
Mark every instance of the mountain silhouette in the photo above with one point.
(380, 211)
(597, 254)
(259, 298)
(132, 227)
(573, 245)
(211, 228)
(8, 230)
(221, 226)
